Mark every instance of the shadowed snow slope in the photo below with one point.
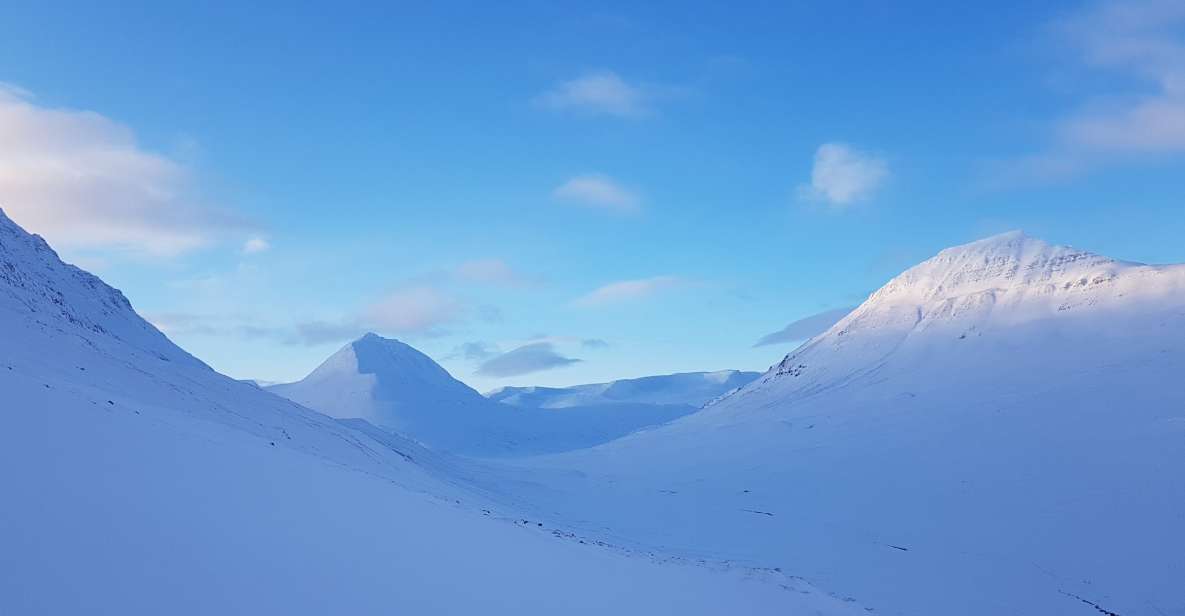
(998, 430)
(392, 385)
(398, 388)
(690, 389)
(136, 480)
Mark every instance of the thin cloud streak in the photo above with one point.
(627, 290)
(599, 92)
(806, 327)
(598, 191)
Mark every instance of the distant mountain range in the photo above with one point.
(692, 389)
(136, 477)
(399, 389)
(999, 429)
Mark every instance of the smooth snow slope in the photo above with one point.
(392, 385)
(398, 388)
(999, 430)
(689, 389)
(136, 480)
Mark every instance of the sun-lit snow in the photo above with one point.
(399, 389)
(998, 430)
(137, 480)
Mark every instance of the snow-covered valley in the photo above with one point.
(997, 430)
(138, 480)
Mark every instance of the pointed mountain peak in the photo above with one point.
(387, 361)
(371, 339)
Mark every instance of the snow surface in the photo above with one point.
(398, 388)
(998, 430)
(137, 480)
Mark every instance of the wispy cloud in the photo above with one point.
(594, 343)
(627, 290)
(83, 181)
(806, 327)
(599, 191)
(534, 357)
(416, 310)
(305, 333)
(493, 272)
(599, 92)
(256, 245)
(473, 351)
(1141, 42)
(843, 175)
(313, 333)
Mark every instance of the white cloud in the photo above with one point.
(598, 92)
(1153, 125)
(598, 191)
(421, 309)
(842, 175)
(1141, 42)
(82, 181)
(255, 245)
(627, 290)
(1146, 40)
(491, 271)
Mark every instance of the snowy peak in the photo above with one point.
(1004, 261)
(385, 358)
(389, 384)
(1005, 291)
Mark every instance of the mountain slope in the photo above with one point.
(392, 385)
(997, 430)
(691, 389)
(398, 388)
(137, 480)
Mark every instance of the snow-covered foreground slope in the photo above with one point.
(136, 480)
(398, 388)
(689, 389)
(999, 430)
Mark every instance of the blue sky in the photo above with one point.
(645, 189)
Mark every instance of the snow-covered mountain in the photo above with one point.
(689, 389)
(398, 388)
(1000, 429)
(392, 385)
(136, 480)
